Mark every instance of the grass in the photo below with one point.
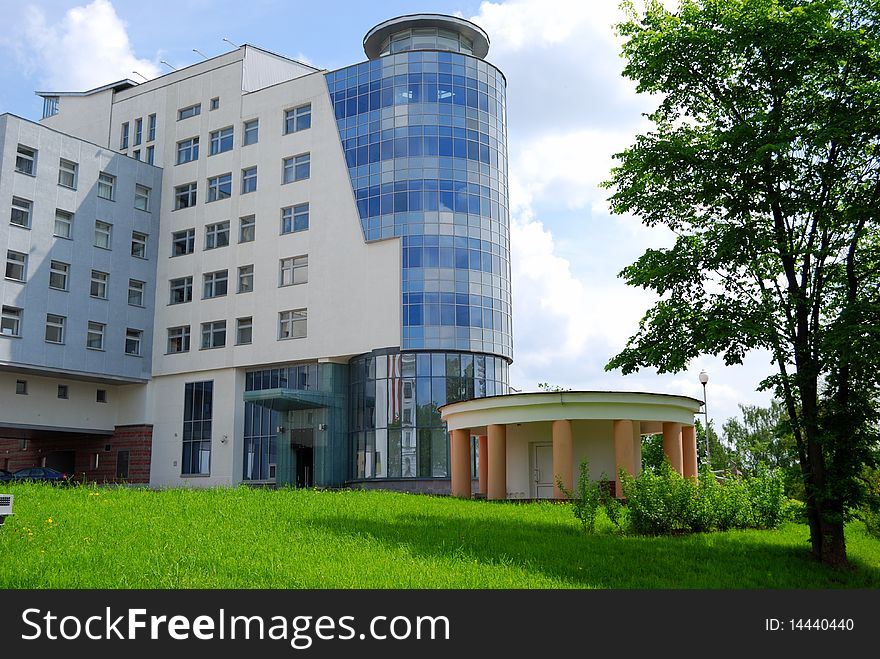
(88, 537)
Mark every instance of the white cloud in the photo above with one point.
(87, 48)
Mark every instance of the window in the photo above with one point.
(106, 183)
(26, 160)
(63, 391)
(251, 132)
(136, 154)
(151, 128)
(198, 408)
(213, 334)
(181, 290)
(248, 180)
(185, 196)
(139, 244)
(50, 106)
(63, 223)
(295, 218)
(58, 274)
(21, 212)
(95, 336)
(245, 279)
(178, 339)
(298, 118)
(292, 324)
(296, 168)
(123, 136)
(244, 330)
(294, 270)
(183, 242)
(221, 140)
(10, 321)
(142, 197)
(136, 292)
(220, 187)
(103, 231)
(67, 171)
(215, 103)
(55, 328)
(189, 111)
(247, 228)
(98, 286)
(150, 158)
(122, 465)
(216, 284)
(217, 235)
(138, 131)
(188, 150)
(21, 387)
(16, 265)
(101, 396)
(133, 339)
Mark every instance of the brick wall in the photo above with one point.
(137, 440)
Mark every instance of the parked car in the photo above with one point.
(42, 474)
(5, 475)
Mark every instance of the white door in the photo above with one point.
(542, 472)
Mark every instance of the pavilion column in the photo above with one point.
(460, 454)
(497, 463)
(672, 445)
(562, 456)
(483, 462)
(623, 453)
(689, 451)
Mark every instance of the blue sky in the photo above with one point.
(568, 109)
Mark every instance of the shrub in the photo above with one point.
(766, 494)
(586, 498)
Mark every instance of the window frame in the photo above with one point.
(151, 128)
(139, 288)
(289, 320)
(21, 157)
(187, 237)
(245, 276)
(184, 285)
(214, 233)
(98, 281)
(11, 318)
(18, 263)
(95, 329)
(219, 187)
(21, 209)
(106, 182)
(58, 323)
(246, 177)
(123, 136)
(250, 226)
(189, 111)
(251, 127)
(184, 338)
(211, 330)
(295, 165)
(62, 272)
(67, 168)
(291, 267)
(66, 219)
(213, 282)
(293, 215)
(293, 117)
(221, 140)
(102, 232)
(188, 193)
(246, 323)
(139, 241)
(188, 147)
(133, 337)
(142, 193)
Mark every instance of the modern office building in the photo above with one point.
(326, 263)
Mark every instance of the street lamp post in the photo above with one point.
(704, 378)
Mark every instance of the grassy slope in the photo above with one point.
(243, 538)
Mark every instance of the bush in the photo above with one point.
(586, 498)
(662, 502)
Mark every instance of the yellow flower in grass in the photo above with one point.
(49, 521)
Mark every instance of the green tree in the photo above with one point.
(762, 436)
(763, 159)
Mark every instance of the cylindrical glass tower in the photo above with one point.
(423, 127)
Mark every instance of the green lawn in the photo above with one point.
(85, 537)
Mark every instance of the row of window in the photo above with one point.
(222, 139)
(23, 212)
(56, 328)
(138, 131)
(292, 324)
(293, 219)
(292, 270)
(68, 175)
(16, 262)
(21, 388)
(294, 168)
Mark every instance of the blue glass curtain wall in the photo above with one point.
(424, 136)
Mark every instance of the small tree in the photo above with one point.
(586, 499)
